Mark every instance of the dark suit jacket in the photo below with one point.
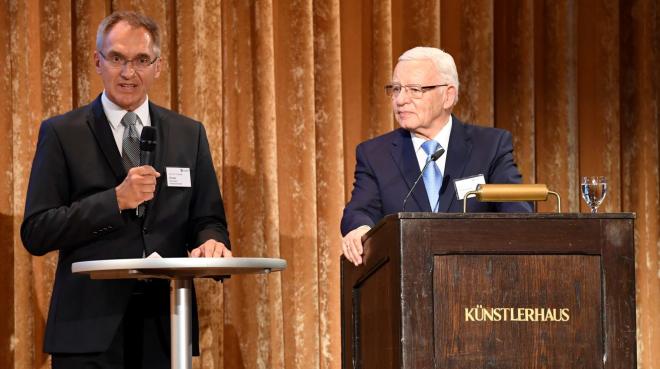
(72, 207)
(387, 168)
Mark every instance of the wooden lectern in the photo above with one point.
(492, 291)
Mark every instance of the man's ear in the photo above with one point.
(97, 61)
(158, 67)
(450, 97)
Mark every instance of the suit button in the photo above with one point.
(145, 230)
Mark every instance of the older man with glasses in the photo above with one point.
(91, 197)
(453, 155)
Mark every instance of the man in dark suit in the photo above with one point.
(424, 90)
(85, 186)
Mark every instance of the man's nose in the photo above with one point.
(127, 70)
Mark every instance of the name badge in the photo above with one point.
(178, 177)
(464, 185)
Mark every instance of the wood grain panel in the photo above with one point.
(619, 297)
(467, 337)
(372, 302)
(371, 332)
(552, 259)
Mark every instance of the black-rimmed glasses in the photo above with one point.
(414, 91)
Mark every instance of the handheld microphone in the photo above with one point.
(147, 145)
(432, 159)
(147, 157)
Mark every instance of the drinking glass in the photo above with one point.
(594, 189)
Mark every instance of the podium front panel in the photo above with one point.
(517, 311)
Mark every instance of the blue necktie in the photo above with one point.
(432, 175)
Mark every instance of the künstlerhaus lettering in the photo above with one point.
(520, 314)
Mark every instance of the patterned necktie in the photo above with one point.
(130, 152)
(432, 175)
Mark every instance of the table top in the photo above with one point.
(173, 268)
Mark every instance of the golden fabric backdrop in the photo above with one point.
(286, 89)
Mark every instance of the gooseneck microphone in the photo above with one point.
(147, 157)
(432, 159)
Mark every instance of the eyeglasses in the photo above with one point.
(140, 62)
(414, 91)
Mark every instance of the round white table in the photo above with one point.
(180, 272)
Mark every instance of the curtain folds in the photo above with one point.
(287, 89)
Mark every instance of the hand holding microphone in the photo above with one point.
(139, 185)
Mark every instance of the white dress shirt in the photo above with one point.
(442, 138)
(114, 113)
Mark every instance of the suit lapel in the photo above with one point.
(100, 127)
(403, 154)
(159, 122)
(460, 147)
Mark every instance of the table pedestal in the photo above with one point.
(181, 322)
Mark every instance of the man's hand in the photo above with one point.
(138, 186)
(211, 249)
(351, 244)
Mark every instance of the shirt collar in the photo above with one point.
(114, 113)
(442, 137)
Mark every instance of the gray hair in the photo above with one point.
(443, 62)
(136, 20)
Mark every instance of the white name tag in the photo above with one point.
(178, 177)
(464, 185)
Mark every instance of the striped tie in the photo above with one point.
(130, 152)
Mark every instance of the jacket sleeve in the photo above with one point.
(504, 170)
(53, 220)
(207, 212)
(365, 206)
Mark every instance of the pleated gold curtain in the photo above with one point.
(287, 88)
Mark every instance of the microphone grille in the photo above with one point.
(436, 155)
(148, 133)
(148, 138)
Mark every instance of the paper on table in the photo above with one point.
(154, 255)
